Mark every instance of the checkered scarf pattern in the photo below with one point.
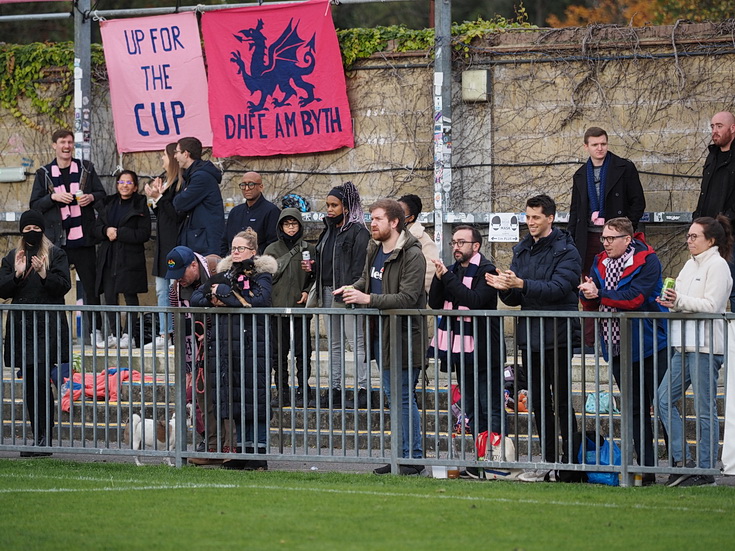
(613, 272)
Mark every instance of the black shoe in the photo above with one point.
(404, 470)
(349, 400)
(201, 447)
(472, 473)
(649, 479)
(697, 480)
(336, 394)
(362, 398)
(299, 398)
(410, 470)
(677, 479)
(385, 469)
(283, 398)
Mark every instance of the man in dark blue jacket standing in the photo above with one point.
(199, 203)
(544, 275)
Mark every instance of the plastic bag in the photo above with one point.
(604, 404)
(588, 455)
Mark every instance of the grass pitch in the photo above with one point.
(53, 504)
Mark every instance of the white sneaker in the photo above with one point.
(111, 341)
(97, 339)
(124, 341)
(539, 475)
(159, 343)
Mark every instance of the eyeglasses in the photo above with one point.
(610, 239)
(177, 151)
(460, 243)
(248, 185)
(290, 223)
(241, 249)
(126, 182)
(692, 236)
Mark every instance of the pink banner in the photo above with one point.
(158, 86)
(276, 82)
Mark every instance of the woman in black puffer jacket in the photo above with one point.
(236, 347)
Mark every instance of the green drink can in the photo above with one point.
(669, 283)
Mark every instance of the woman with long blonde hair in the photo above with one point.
(36, 272)
(161, 192)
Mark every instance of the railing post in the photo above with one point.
(180, 384)
(396, 393)
(626, 399)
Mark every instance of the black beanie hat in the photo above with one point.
(32, 217)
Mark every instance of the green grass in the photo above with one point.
(52, 504)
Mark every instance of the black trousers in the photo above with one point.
(643, 392)
(39, 400)
(302, 350)
(111, 298)
(552, 410)
(84, 260)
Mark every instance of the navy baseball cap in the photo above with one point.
(178, 260)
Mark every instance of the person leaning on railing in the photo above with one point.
(626, 277)
(36, 272)
(703, 285)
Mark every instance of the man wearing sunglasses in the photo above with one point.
(256, 212)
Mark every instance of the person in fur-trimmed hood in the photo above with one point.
(242, 279)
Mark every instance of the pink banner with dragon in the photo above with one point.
(276, 82)
(158, 85)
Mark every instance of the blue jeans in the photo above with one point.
(163, 287)
(701, 373)
(409, 412)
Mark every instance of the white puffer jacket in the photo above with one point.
(703, 285)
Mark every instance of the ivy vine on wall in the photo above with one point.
(42, 74)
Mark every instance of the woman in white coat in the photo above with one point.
(703, 285)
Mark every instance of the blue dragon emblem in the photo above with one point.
(276, 66)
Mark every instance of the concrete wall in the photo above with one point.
(547, 86)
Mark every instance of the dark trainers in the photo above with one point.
(385, 469)
(678, 478)
(649, 479)
(405, 470)
(362, 398)
(336, 394)
(697, 480)
(472, 473)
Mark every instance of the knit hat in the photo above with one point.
(32, 218)
(338, 192)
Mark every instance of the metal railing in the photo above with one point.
(220, 381)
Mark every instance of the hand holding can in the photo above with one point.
(306, 261)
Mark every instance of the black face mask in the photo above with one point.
(337, 219)
(32, 238)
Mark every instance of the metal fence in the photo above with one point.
(241, 387)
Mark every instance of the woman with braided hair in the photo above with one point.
(340, 259)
